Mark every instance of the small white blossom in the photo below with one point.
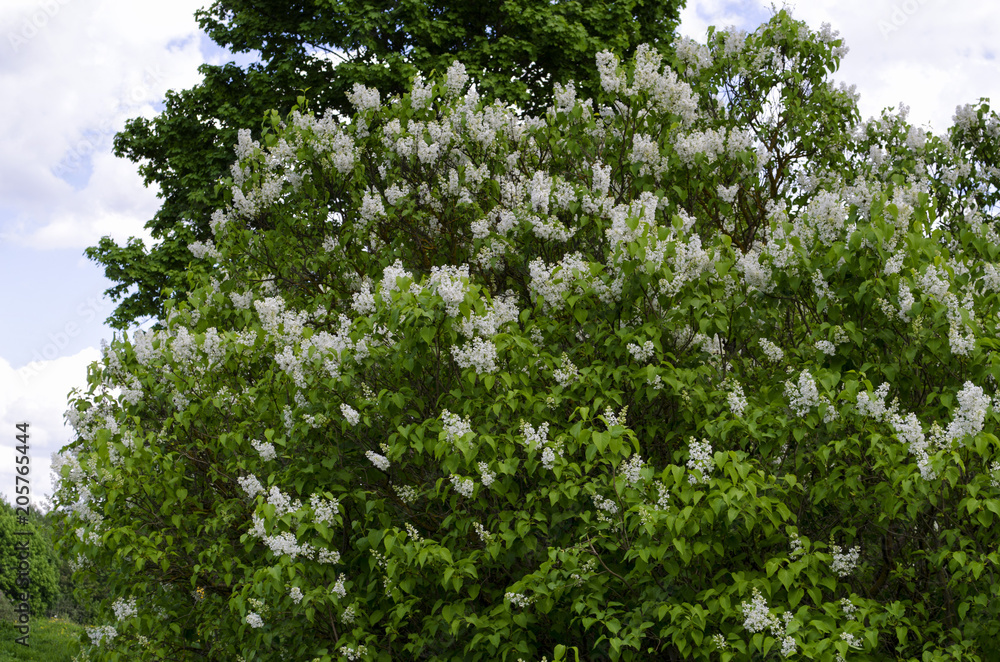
(804, 396)
(338, 587)
(642, 353)
(700, 454)
(631, 469)
(737, 400)
(487, 476)
(265, 449)
(455, 427)
(849, 608)
(254, 620)
(250, 485)
(844, 562)
(464, 486)
(124, 608)
(772, 351)
(351, 414)
(379, 461)
(518, 599)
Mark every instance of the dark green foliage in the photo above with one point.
(44, 563)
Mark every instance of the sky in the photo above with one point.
(73, 71)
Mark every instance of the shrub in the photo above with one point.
(701, 368)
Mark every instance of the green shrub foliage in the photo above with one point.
(42, 562)
(700, 369)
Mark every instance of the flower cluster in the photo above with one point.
(486, 475)
(803, 396)
(464, 486)
(844, 562)
(478, 354)
(100, 633)
(455, 427)
(772, 351)
(380, 461)
(518, 599)
(124, 608)
(264, 449)
(737, 400)
(631, 469)
(323, 509)
(351, 414)
(700, 460)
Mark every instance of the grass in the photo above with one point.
(51, 640)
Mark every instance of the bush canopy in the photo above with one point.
(701, 368)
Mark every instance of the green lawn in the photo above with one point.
(51, 640)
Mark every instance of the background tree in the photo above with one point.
(516, 48)
(44, 562)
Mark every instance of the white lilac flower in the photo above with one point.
(353, 654)
(265, 449)
(406, 493)
(487, 476)
(756, 615)
(970, 418)
(97, 634)
(534, 438)
(379, 461)
(844, 562)
(450, 284)
(351, 414)
(700, 454)
(849, 608)
(737, 400)
(478, 354)
(826, 347)
(455, 427)
(549, 457)
(363, 98)
(283, 504)
(772, 351)
(250, 485)
(851, 640)
(518, 599)
(296, 594)
(456, 78)
(124, 608)
(631, 469)
(254, 620)
(804, 396)
(566, 373)
(464, 486)
(606, 505)
(323, 509)
(483, 534)
(642, 353)
(328, 556)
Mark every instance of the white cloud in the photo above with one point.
(38, 394)
(72, 73)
